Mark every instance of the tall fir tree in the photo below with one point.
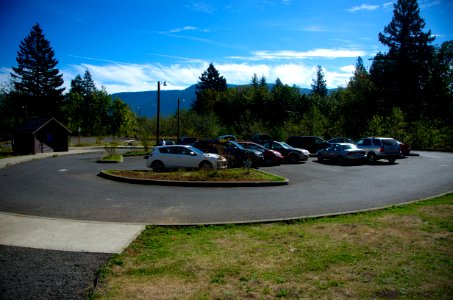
(403, 72)
(37, 81)
(88, 84)
(319, 86)
(209, 87)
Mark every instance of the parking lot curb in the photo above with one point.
(105, 174)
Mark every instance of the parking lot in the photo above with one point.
(69, 187)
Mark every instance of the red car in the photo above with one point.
(271, 157)
(405, 149)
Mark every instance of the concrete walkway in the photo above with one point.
(66, 235)
(60, 234)
(9, 161)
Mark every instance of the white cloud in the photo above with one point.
(387, 5)
(424, 4)
(348, 69)
(135, 77)
(185, 28)
(366, 7)
(201, 6)
(5, 74)
(289, 54)
(117, 78)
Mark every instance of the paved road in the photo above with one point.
(68, 187)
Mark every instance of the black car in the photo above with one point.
(310, 143)
(187, 141)
(236, 155)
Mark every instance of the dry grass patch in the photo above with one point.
(403, 252)
(227, 175)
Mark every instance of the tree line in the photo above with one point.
(36, 91)
(407, 93)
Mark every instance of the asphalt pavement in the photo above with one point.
(51, 258)
(60, 222)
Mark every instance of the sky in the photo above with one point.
(132, 45)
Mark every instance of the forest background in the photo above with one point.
(407, 93)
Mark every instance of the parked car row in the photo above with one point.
(226, 151)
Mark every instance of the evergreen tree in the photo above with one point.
(211, 80)
(88, 84)
(77, 86)
(208, 89)
(263, 82)
(255, 81)
(37, 81)
(88, 107)
(319, 86)
(403, 72)
(440, 86)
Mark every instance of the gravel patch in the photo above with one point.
(27, 273)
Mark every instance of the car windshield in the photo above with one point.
(236, 145)
(196, 150)
(257, 147)
(285, 145)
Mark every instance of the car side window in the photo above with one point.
(376, 142)
(172, 150)
(366, 142)
(184, 151)
(276, 146)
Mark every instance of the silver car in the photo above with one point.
(380, 148)
(342, 152)
(182, 157)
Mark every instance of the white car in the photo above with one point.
(183, 156)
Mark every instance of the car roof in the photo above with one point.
(168, 146)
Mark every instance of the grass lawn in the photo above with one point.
(234, 174)
(113, 158)
(400, 252)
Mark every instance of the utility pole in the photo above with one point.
(158, 112)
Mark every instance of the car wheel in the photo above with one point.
(320, 157)
(392, 160)
(293, 158)
(158, 166)
(371, 157)
(205, 165)
(340, 160)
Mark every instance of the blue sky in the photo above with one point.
(130, 45)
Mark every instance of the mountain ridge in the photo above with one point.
(144, 103)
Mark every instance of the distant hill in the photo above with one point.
(147, 101)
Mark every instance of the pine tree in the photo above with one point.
(88, 84)
(77, 85)
(319, 86)
(403, 72)
(209, 87)
(211, 80)
(36, 79)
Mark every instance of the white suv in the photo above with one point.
(183, 156)
(380, 148)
